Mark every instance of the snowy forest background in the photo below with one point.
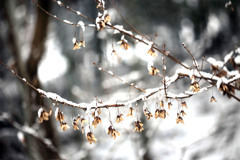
(39, 48)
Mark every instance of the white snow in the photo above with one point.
(214, 62)
(164, 67)
(66, 21)
(40, 112)
(227, 57)
(20, 136)
(238, 50)
(59, 3)
(150, 45)
(110, 72)
(219, 82)
(103, 3)
(74, 40)
(237, 59)
(56, 112)
(120, 28)
(78, 13)
(138, 37)
(150, 64)
(228, 4)
(123, 81)
(82, 25)
(29, 130)
(115, 31)
(91, 25)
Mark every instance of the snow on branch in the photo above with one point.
(103, 20)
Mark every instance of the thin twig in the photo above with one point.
(203, 59)
(119, 13)
(194, 60)
(72, 10)
(113, 27)
(125, 82)
(164, 70)
(59, 19)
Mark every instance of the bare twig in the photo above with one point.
(203, 59)
(113, 27)
(62, 20)
(72, 10)
(164, 70)
(125, 82)
(194, 60)
(138, 32)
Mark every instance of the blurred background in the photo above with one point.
(39, 48)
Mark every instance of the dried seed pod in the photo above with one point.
(107, 18)
(183, 113)
(153, 71)
(169, 105)
(157, 113)
(138, 126)
(97, 120)
(124, 44)
(59, 115)
(148, 114)
(162, 114)
(161, 103)
(83, 120)
(213, 99)
(43, 115)
(64, 126)
(152, 52)
(130, 112)
(91, 138)
(179, 119)
(184, 104)
(195, 87)
(81, 43)
(119, 118)
(98, 111)
(75, 123)
(113, 132)
(76, 46)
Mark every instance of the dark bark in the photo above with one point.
(36, 53)
(36, 149)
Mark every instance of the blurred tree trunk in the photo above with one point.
(36, 149)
